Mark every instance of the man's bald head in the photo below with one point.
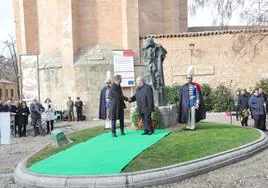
(140, 81)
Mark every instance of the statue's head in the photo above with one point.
(150, 40)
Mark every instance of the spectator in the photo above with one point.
(50, 114)
(243, 108)
(236, 96)
(1, 106)
(256, 103)
(79, 107)
(23, 113)
(70, 107)
(36, 110)
(9, 107)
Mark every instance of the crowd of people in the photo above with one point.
(112, 105)
(20, 111)
(252, 104)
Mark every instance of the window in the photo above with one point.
(6, 93)
(12, 93)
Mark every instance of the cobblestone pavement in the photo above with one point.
(252, 172)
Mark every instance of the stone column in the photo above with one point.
(67, 47)
(130, 26)
(26, 25)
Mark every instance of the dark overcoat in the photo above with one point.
(22, 115)
(117, 103)
(242, 103)
(184, 106)
(145, 99)
(102, 106)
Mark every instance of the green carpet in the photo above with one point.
(102, 154)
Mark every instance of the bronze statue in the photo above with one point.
(154, 55)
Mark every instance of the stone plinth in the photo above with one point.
(168, 116)
(58, 137)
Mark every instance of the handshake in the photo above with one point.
(129, 100)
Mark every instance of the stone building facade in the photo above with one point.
(233, 58)
(8, 90)
(74, 40)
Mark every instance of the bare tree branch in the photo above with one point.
(10, 45)
(253, 12)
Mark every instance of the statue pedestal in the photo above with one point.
(168, 115)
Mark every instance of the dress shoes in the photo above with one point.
(151, 132)
(145, 133)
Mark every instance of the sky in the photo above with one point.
(204, 17)
(6, 19)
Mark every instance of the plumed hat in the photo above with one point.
(108, 77)
(190, 72)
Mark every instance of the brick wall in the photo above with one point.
(8, 92)
(218, 57)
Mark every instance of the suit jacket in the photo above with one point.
(145, 99)
(117, 103)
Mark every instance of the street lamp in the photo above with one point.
(191, 46)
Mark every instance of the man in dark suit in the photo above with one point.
(117, 105)
(145, 104)
(79, 106)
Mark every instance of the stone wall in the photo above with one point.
(218, 57)
(169, 16)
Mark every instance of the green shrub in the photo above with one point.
(156, 117)
(135, 118)
(222, 100)
(207, 96)
(172, 93)
(264, 85)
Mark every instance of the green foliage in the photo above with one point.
(222, 100)
(172, 93)
(264, 85)
(135, 118)
(156, 117)
(207, 96)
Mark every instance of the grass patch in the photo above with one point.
(178, 147)
(77, 137)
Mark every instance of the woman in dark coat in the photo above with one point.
(117, 105)
(243, 108)
(23, 113)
